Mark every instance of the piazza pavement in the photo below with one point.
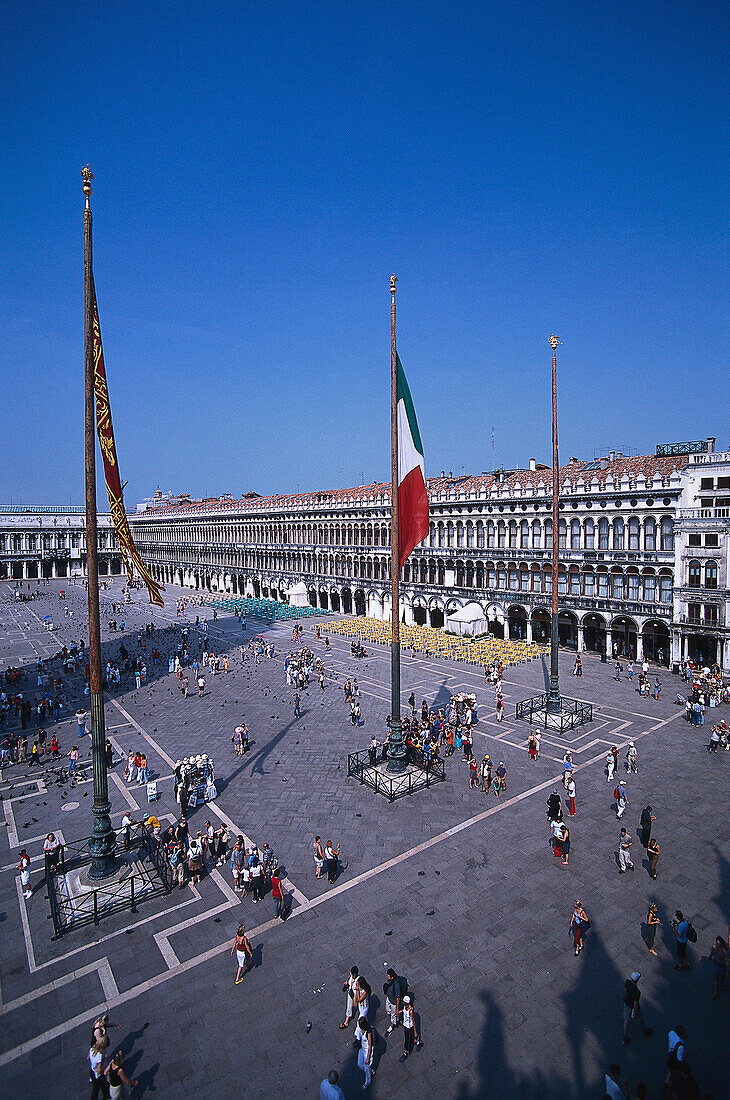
(455, 889)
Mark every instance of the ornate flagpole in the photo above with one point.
(103, 840)
(554, 702)
(396, 748)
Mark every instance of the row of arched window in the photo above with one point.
(576, 534)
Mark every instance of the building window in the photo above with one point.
(501, 535)
(694, 540)
(588, 585)
(575, 535)
(536, 581)
(548, 583)
(562, 584)
(707, 483)
(513, 580)
(549, 535)
(633, 586)
(618, 534)
(633, 533)
(694, 613)
(490, 534)
(513, 535)
(491, 578)
(711, 540)
(524, 580)
(694, 579)
(460, 534)
(618, 586)
(603, 586)
(665, 590)
(575, 584)
(480, 536)
(711, 574)
(590, 534)
(667, 534)
(501, 578)
(536, 535)
(650, 535)
(524, 535)
(470, 534)
(650, 589)
(562, 534)
(603, 534)
(711, 617)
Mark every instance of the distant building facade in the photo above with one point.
(38, 543)
(643, 541)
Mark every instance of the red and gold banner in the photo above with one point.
(105, 431)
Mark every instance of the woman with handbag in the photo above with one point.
(578, 925)
(367, 1049)
(349, 987)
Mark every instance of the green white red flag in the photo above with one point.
(412, 495)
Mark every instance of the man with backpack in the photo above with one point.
(395, 989)
(684, 931)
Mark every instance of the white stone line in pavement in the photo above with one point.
(226, 890)
(167, 952)
(121, 787)
(101, 967)
(10, 822)
(150, 741)
(26, 927)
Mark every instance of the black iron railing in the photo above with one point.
(150, 876)
(415, 778)
(573, 712)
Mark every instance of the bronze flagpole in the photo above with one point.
(396, 748)
(554, 702)
(103, 841)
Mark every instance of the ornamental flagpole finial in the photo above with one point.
(393, 281)
(554, 341)
(87, 177)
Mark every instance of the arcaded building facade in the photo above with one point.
(633, 577)
(40, 543)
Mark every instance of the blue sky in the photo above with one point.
(261, 170)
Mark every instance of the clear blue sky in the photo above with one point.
(262, 169)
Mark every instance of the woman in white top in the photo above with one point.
(349, 988)
(410, 1035)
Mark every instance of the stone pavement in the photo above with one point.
(457, 890)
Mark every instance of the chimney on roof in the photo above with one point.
(711, 444)
(450, 474)
(533, 463)
(611, 456)
(443, 473)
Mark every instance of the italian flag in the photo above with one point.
(412, 496)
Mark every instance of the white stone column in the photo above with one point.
(609, 643)
(581, 638)
(528, 630)
(639, 645)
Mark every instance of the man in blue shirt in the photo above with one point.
(329, 1089)
(681, 931)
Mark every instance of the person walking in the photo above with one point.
(652, 923)
(395, 988)
(681, 932)
(331, 855)
(97, 1076)
(329, 1089)
(499, 705)
(565, 844)
(117, 1077)
(622, 799)
(243, 951)
(367, 1051)
(625, 862)
(615, 1086)
(578, 926)
(719, 960)
(610, 766)
(349, 986)
(570, 786)
(277, 893)
(647, 817)
(257, 878)
(653, 851)
(632, 1007)
(297, 705)
(24, 870)
(410, 1033)
(632, 758)
(318, 857)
